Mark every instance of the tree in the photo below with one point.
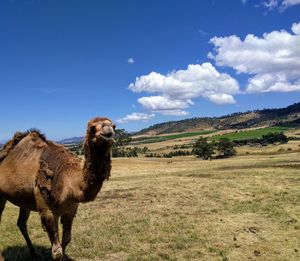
(122, 138)
(203, 149)
(225, 147)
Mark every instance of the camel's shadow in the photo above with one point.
(21, 253)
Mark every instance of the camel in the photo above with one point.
(39, 175)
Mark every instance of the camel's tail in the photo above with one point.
(18, 136)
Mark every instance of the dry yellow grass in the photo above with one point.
(243, 208)
(291, 146)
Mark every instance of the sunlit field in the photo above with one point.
(242, 208)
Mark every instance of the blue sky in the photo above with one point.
(143, 62)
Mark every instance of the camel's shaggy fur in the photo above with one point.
(40, 175)
(18, 136)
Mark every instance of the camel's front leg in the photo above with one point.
(22, 220)
(67, 220)
(49, 221)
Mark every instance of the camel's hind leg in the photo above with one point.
(22, 220)
(2, 206)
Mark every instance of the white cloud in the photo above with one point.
(271, 4)
(272, 83)
(244, 2)
(221, 98)
(131, 60)
(202, 32)
(136, 116)
(158, 103)
(281, 5)
(273, 60)
(296, 28)
(174, 112)
(288, 3)
(177, 88)
(165, 105)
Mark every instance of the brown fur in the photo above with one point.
(39, 175)
(18, 136)
(54, 160)
(97, 165)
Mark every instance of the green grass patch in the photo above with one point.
(174, 136)
(250, 134)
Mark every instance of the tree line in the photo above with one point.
(269, 138)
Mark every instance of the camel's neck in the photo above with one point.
(96, 169)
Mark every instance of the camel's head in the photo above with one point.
(101, 131)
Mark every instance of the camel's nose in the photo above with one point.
(108, 131)
(109, 134)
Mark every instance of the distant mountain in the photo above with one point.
(72, 140)
(240, 120)
(2, 142)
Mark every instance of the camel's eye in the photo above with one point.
(114, 126)
(93, 130)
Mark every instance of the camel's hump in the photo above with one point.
(18, 136)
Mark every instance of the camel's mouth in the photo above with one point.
(108, 138)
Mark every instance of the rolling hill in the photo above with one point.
(289, 116)
(72, 140)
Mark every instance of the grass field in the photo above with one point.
(243, 208)
(174, 136)
(232, 135)
(250, 134)
(166, 146)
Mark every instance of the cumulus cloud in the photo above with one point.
(273, 60)
(177, 89)
(165, 105)
(296, 28)
(156, 103)
(136, 116)
(131, 60)
(221, 98)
